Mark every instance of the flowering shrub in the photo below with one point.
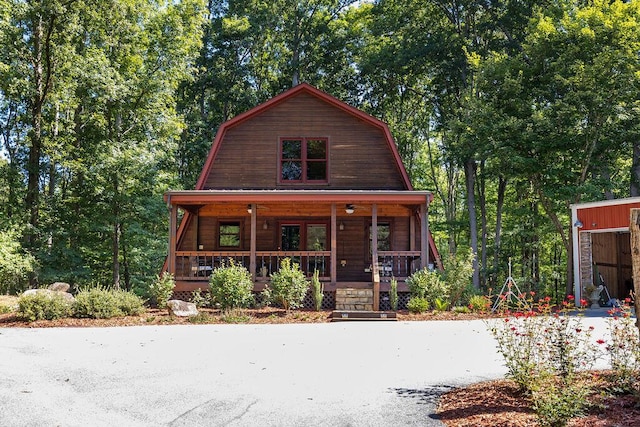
(624, 350)
(543, 350)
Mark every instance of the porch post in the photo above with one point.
(333, 262)
(424, 235)
(173, 222)
(374, 257)
(412, 232)
(252, 255)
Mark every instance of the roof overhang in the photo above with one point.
(200, 197)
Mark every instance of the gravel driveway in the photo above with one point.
(330, 374)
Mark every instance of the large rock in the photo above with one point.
(182, 308)
(60, 287)
(66, 295)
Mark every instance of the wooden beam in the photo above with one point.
(374, 257)
(253, 247)
(334, 245)
(424, 236)
(412, 233)
(173, 228)
(634, 227)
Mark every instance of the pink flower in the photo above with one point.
(600, 341)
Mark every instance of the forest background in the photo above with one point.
(507, 110)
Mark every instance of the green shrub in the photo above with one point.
(200, 318)
(440, 304)
(318, 289)
(457, 273)
(231, 286)
(461, 309)
(100, 303)
(129, 303)
(479, 303)
(162, 289)
(5, 309)
(418, 305)
(393, 294)
(428, 285)
(199, 299)
(288, 286)
(43, 306)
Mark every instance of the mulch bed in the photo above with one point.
(500, 404)
(265, 315)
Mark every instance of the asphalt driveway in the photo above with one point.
(333, 374)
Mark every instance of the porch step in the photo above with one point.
(350, 315)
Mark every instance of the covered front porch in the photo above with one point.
(354, 239)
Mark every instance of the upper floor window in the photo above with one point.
(303, 160)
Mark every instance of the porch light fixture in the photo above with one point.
(578, 224)
(341, 226)
(249, 209)
(265, 225)
(349, 209)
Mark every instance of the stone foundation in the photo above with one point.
(354, 299)
(586, 261)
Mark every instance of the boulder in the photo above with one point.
(60, 287)
(182, 308)
(66, 295)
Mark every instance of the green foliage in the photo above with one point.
(201, 317)
(101, 303)
(235, 316)
(418, 305)
(555, 403)
(43, 306)
(199, 299)
(15, 265)
(230, 286)
(461, 309)
(393, 294)
(440, 304)
(458, 269)
(288, 286)
(427, 284)
(162, 289)
(479, 303)
(318, 289)
(129, 303)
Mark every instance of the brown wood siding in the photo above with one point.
(359, 157)
(603, 217)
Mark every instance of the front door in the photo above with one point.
(305, 236)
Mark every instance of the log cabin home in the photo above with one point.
(311, 178)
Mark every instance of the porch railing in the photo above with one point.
(398, 264)
(197, 265)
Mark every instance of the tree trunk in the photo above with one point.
(470, 177)
(634, 225)
(483, 224)
(35, 136)
(502, 188)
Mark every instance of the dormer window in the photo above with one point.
(303, 160)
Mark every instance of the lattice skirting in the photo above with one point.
(403, 300)
(328, 302)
